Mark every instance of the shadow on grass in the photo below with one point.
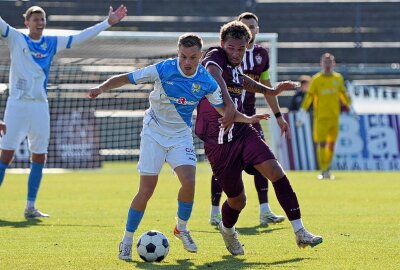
(38, 222)
(20, 224)
(258, 229)
(227, 262)
(249, 230)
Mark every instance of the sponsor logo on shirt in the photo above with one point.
(38, 55)
(328, 91)
(181, 100)
(234, 90)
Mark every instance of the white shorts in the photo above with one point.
(154, 152)
(26, 118)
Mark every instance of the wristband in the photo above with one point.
(278, 114)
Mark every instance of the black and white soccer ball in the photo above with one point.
(152, 246)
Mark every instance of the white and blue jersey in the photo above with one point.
(175, 96)
(27, 110)
(31, 59)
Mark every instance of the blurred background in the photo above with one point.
(364, 36)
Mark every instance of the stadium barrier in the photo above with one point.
(366, 142)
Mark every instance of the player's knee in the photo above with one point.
(39, 158)
(7, 156)
(188, 182)
(238, 202)
(276, 172)
(145, 194)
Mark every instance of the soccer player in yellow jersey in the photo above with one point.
(326, 91)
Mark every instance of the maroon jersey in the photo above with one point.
(207, 126)
(255, 62)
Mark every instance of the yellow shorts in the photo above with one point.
(326, 130)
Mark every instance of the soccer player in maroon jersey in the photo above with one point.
(255, 65)
(241, 146)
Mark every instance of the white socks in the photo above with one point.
(181, 225)
(229, 231)
(297, 224)
(30, 204)
(215, 210)
(128, 238)
(264, 207)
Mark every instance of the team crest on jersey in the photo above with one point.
(195, 88)
(258, 59)
(44, 46)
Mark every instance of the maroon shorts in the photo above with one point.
(257, 126)
(230, 159)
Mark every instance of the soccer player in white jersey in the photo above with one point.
(27, 111)
(179, 85)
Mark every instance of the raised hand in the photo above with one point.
(284, 126)
(94, 92)
(286, 85)
(258, 117)
(229, 115)
(117, 15)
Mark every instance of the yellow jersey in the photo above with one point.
(325, 93)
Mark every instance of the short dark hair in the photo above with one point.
(247, 16)
(33, 9)
(236, 30)
(190, 40)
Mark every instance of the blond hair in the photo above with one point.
(33, 9)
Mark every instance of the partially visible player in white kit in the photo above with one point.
(179, 85)
(27, 110)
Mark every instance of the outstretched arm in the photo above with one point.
(89, 33)
(255, 87)
(242, 118)
(113, 82)
(228, 116)
(274, 105)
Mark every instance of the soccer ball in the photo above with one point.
(152, 246)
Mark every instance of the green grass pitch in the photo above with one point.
(357, 214)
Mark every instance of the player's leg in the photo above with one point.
(288, 200)
(186, 175)
(38, 139)
(321, 132)
(231, 209)
(321, 157)
(330, 148)
(17, 123)
(151, 158)
(35, 178)
(216, 194)
(135, 214)
(257, 154)
(6, 157)
(261, 184)
(266, 214)
(182, 158)
(226, 162)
